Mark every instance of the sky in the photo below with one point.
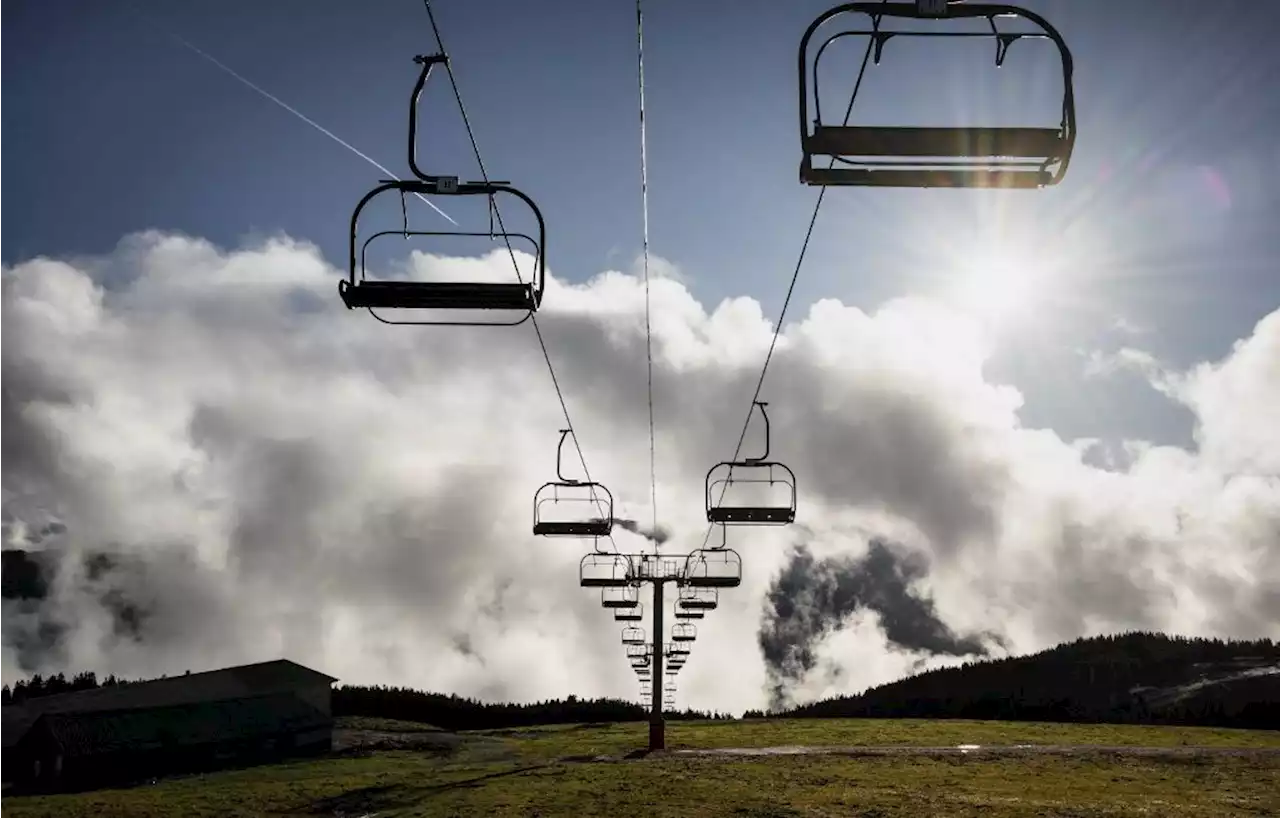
(1055, 405)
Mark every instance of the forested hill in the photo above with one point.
(1131, 677)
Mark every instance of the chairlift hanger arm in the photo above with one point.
(564, 433)
(764, 457)
(428, 62)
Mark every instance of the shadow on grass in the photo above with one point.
(366, 800)
(477, 781)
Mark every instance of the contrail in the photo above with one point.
(303, 117)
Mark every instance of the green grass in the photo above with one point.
(571, 740)
(527, 772)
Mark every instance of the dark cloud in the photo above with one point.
(812, 597)
(657, 536)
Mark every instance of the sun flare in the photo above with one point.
(999, 285)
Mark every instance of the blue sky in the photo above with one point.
(1166, 217)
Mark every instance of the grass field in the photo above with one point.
(558, 771)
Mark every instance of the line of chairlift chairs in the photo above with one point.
(858, 156)
(564, 508)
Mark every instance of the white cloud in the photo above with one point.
(282, 476)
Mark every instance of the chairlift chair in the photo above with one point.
(682, 649)
(521, 298)
(713, 568)
(689, 613)
(626, 596)
(576, 495)
(598, 570)
(635, 614)
(698, 599)
(652, 566)
(633, 636)
(684, 632)
(924, 157)
(635, 652)
(754, 472)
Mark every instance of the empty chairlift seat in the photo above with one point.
(684, 632)
(598, 570)
(693, 598)
(921, 157)
(751, 491)
(633, 636)
(635, 614)
(566, 507)
(625, 596)
(415, 301)
(713, 568)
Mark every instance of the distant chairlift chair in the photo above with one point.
(635, 614)
(752, 472)
(574, 495)
(599, 570)
(713, 568)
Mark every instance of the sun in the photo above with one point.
(1000, 285)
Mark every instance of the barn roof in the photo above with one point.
(182, 725)
(238, 682)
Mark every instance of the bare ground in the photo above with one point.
(347, 740)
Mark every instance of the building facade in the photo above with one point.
(234, 716)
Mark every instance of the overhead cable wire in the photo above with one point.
(475, 149)
(648, 331)
(795, 275)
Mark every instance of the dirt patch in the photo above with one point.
(433, 741)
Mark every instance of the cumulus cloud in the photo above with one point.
(270, 474)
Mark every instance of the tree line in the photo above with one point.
(453, 712)
(450, 712)
(1136, 677)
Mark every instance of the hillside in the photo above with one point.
(1132, 677)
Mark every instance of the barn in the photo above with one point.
(198, 721)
